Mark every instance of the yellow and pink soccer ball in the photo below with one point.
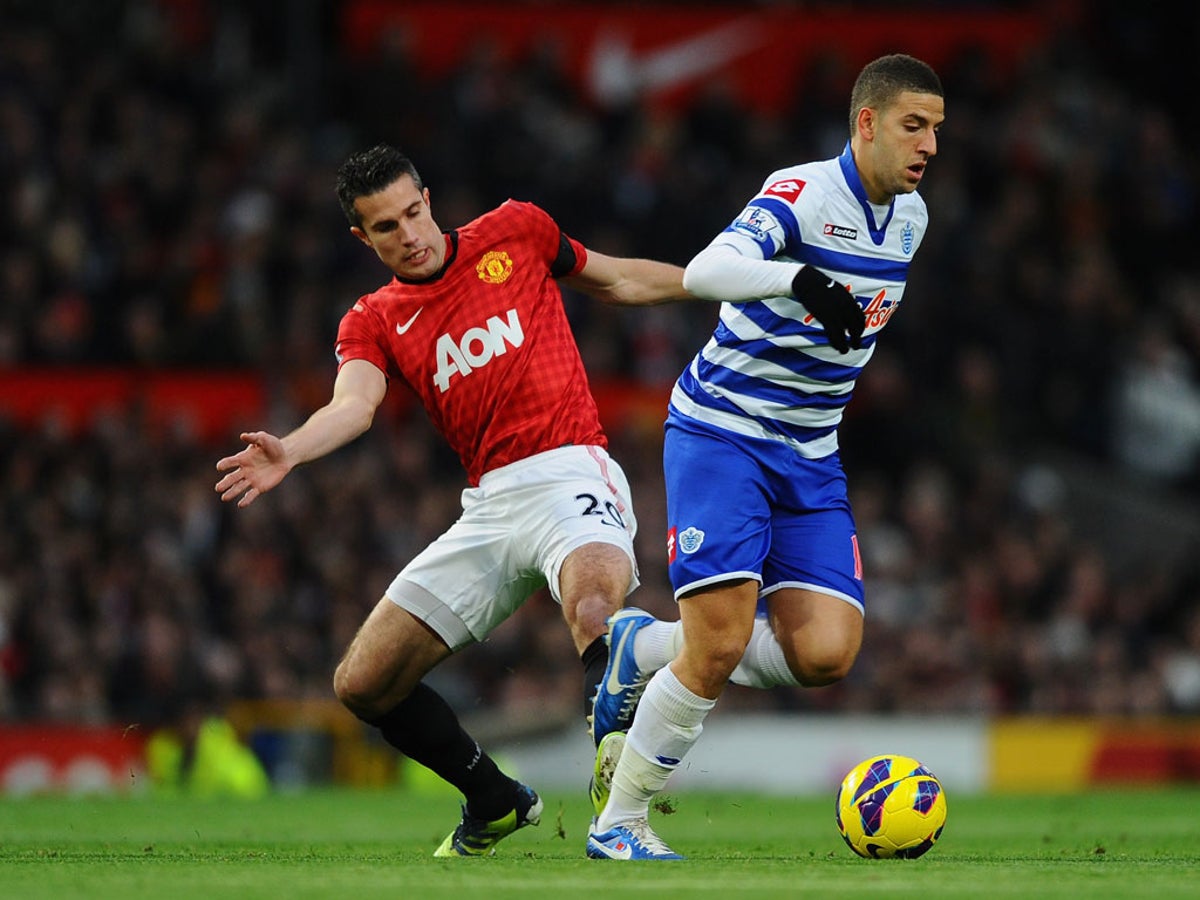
(890, 807)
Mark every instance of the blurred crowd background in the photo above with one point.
(1022, 451)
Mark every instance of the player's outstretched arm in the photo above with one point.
(266, 459)
(732, 270)
(629, 282)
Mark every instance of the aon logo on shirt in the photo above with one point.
(477, 347)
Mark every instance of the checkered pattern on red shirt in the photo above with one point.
(485, 344)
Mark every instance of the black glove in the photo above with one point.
(831, 305)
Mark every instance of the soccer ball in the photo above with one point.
(890, 807)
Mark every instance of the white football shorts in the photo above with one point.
(515, 531)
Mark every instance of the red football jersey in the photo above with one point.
(485, 343)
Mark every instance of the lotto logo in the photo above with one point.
(477, 347)
(687, 541)
(841, 231)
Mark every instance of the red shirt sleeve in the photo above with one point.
(358, 338)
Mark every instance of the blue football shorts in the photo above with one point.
(745, 507)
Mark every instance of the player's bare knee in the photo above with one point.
(724, 656)
(707, 671)
(357, 693)
(593, 583)
(817, 669)
(343, 685)
(820, 676)
(588, 614)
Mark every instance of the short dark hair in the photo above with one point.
(883, 79)
(369, 172)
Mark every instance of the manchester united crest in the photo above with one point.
(494, 267)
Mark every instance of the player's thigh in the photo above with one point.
(466, 583)
(820, 633)
(391, 652)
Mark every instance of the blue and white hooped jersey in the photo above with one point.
(768, 370)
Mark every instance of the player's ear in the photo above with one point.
(866, 123)
(360, 234)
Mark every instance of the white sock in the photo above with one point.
(763, 664)
(668, 722)
(657, 644)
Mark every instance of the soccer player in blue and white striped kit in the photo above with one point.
(757, 511)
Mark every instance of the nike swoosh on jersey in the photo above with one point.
(614, 685)
(400, 329)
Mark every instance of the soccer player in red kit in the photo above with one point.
(473, 322)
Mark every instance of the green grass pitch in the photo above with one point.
(366, 844)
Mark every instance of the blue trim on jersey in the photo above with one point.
(781, 327)
(767, 390)
(698, 395)
(772, 323)
(791, 358)
(850, 171)
(823, 258)
(794, 360)
(853, 264)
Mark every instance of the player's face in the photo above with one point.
(904, 140)
(398, 226)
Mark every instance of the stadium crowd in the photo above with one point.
(172, 206)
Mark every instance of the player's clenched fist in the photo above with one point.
(831, 305)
